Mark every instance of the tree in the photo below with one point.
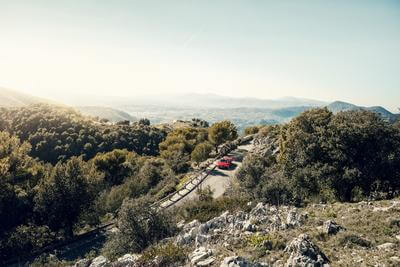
(144, 121)
(139, 226)
(19, 174)
(116, 165)
(64, 194)
(178, 146)
(221, 132)
(201, 152)
(322, 152)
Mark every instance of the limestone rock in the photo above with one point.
(293, 218)
(128, 259)
(304, 253)
(82, 263)
(331, 227)
(200, 255)
(100, 261)
(206, 262)
(236, 261)
(386, 246)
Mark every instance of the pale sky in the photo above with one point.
(327, 50)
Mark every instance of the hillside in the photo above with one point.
(13, 98)
(111, 114)
(338, 106)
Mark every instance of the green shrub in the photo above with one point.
(162, 255)
(208, 208)
(138, 227)
(268, 241)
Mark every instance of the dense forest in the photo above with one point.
(59, 133)
(62, 173)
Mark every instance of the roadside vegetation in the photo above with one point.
(62, 173)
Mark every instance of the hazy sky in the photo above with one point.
(327, 49)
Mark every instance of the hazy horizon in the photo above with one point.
(337, 50)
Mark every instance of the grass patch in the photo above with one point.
(352, 239)
(208, 208)
(272, 241)
(182, 182)
(167, 254)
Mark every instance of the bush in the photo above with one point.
(271, 241)
(208, 208)
(138, 227)
(162, 255)
(251, 130)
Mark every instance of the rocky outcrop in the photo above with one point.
(100, 261)
(332, 228)
(128, 260)
(227, 228)
(265, 145)
(202, 257)
(82, 263)
(386, 246)
(304, 253)
(236, 261)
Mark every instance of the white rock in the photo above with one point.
(304, 253)
(192, 224)
(180, 224)
(100, 261)
(236, 261)
(200, 254)
(206, 262)
(395, 258)
(386, 246)
(248, 226)
(331, 227)
(201, 239)
(82, 263)
(128, 259)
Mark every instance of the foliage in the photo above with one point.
(59, 133)
(252, 130)
(64, 194)
(179, 145)
(144, 121)
(340, 152)
(326, 157)
(208, 208)
(162, 255)
(201, 152)
(271, 241)
(28, 238)
(221, 132)
(138, 227)
(117, 165)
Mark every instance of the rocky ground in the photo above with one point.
(340, 234)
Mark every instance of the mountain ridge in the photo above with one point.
(338, 106)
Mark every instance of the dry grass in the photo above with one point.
(357, 246)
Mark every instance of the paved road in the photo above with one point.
(219, 180)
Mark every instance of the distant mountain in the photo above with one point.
(217, 101)
(13, 98)
(111, 114)
(338, 106)
(188, 101)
